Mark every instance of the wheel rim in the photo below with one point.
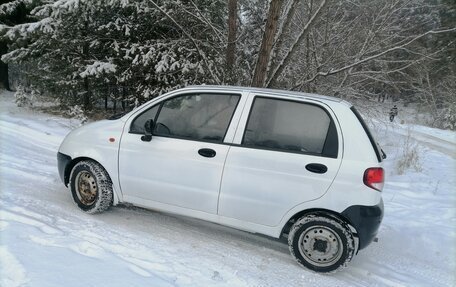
(86, 188)
(320, 246)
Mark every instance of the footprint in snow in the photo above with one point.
(216, 276)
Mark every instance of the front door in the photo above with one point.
(182, 165)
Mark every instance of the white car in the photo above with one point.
(279, 163)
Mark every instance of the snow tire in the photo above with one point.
(103, 197)
(334, 229)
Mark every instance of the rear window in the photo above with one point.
(375, 145)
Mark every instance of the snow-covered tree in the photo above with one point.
(87, 52)
(106, 52)
(12, 12)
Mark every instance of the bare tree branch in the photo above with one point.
(292, 51)
(356, 63)
(200, 52)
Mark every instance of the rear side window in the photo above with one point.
(375, 145)
(290, 126)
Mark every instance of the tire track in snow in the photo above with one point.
(432, 142)
(8, 215)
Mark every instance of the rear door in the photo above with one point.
(286, 152)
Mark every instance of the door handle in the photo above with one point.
(207, 152)
(316, 168)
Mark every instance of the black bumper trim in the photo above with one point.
(366, 220)
(62, 163)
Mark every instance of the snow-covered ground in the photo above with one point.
(46, 241)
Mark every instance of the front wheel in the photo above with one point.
(321, 244)
(91, 187)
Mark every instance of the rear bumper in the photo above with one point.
(366, 220)
(62, 163)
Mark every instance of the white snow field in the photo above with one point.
(45, 240)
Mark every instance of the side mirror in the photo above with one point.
(148, 128)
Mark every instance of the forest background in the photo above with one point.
(105, 56)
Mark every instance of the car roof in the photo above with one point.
(284, 93)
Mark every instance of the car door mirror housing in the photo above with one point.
(148, 128)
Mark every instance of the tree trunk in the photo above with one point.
(4, 76)
(264, 54)
(231, 47)
(4, 67)
(86, 100)
(124, 96)
(87, 94)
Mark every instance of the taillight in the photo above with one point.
(374, 177)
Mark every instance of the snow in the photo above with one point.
(45, 240)
(12, 273)
(97, 68)
(11, 6)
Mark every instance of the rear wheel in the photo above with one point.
(322, 244)
(91, 187)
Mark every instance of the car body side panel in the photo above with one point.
(260, 186)
(92, 141)
(171, 171)
(272, 231)
(357, 145)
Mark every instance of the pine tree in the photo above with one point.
(94, 52)
(12, 12)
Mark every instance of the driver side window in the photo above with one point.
(203, 117)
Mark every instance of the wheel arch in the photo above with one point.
(70, 166)
(317, 211)
(75, 161)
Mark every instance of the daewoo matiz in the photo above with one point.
(279, 163)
